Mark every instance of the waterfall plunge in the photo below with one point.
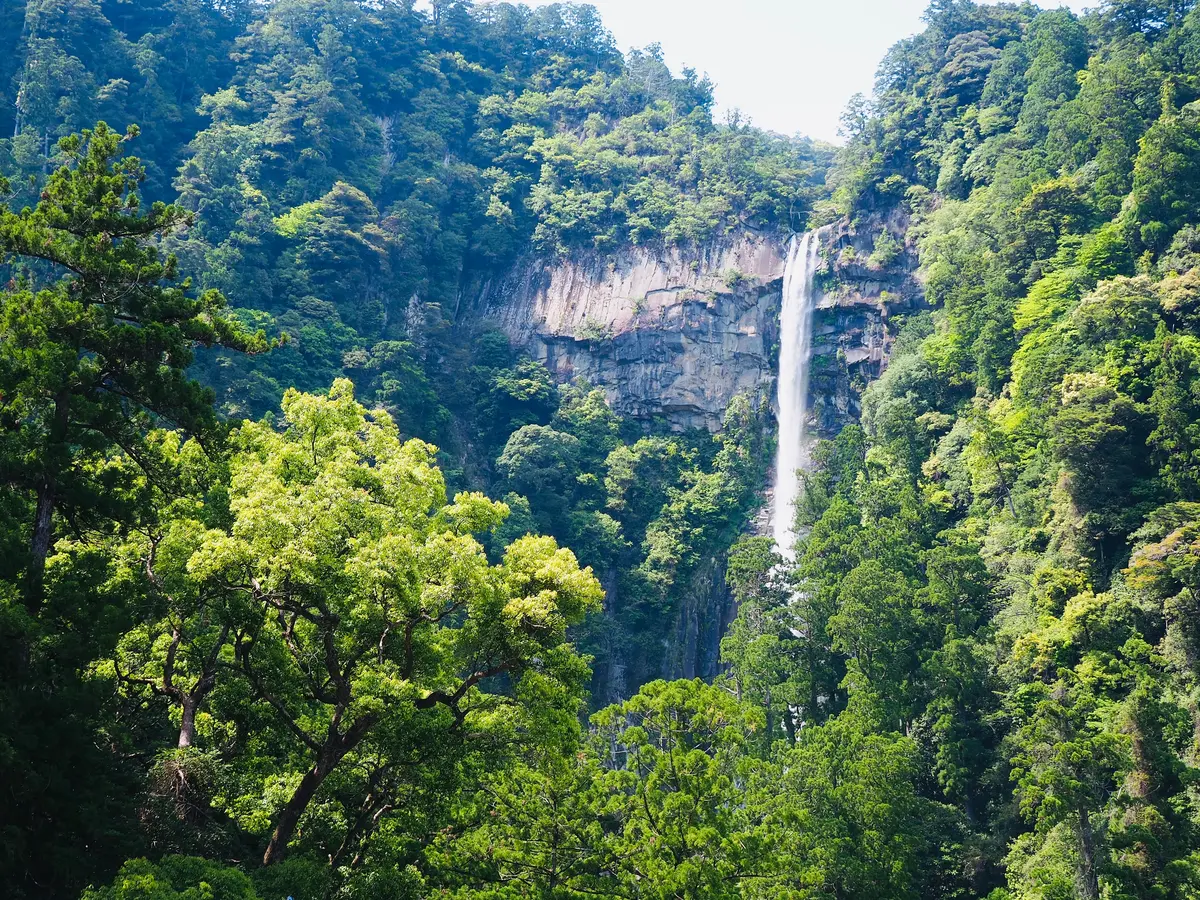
(795, 357)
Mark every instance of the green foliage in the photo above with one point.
(97, 338)
(1165, 178)
(304, 641)
(96, 332)
(675, 753)
(857, 821)
(887, 248)
(293, 642)
(341, 547)
(1035, 448)
(762, 644)
(175, 878)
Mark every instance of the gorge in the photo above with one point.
(401, 406)
(673, 336)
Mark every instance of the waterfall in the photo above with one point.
(795, 356)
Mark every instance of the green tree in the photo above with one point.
(853, 822)
(542, 464)
(1176, 437)
(762, 643)
(873, 627)
(97, 338)
(1166, 178)
(674, 753)
(361, 600)
(539, 828)
(175, 878)
(1065, 769)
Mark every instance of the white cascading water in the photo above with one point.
(795, 356)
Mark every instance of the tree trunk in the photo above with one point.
(290, 817)
(812, 680)
(789, 724)
(1004, 487)
(335, 747)
(43, 517)
(187, 729)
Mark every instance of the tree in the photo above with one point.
(638, 478)
(175, 878)
(991, 458)
(179, 656)
(1064, 772)
(539, 827)
(343, 256)
(1166, 179)
(763, 644)
(1176, 439)
(1145, 16)
(1095, 433)
(853, 823)
(873, 627)
(1068, 758)
(96, 337)
(354, 603)
(674, 752)
(542, 463)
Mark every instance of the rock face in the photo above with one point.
(860, 289)
(675, 334)
(672, 334)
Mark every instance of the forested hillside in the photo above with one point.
(350, 171)
(287, 608)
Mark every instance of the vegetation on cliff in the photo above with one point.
(340, 174)
(268, 644)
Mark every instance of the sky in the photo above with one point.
(790, 65)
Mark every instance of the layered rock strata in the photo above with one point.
(672, 334)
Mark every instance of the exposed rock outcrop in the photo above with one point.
(674, 333)
(866, 279)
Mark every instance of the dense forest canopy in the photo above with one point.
(287, 607)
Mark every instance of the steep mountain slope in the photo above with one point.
(298, 656)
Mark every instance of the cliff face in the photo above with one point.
(674, 334)
(866, 278)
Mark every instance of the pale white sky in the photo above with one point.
(790, 65)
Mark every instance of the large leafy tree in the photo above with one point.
(350, 607)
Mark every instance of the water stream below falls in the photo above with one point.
(795, 358)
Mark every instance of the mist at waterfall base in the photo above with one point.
(795, 358)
